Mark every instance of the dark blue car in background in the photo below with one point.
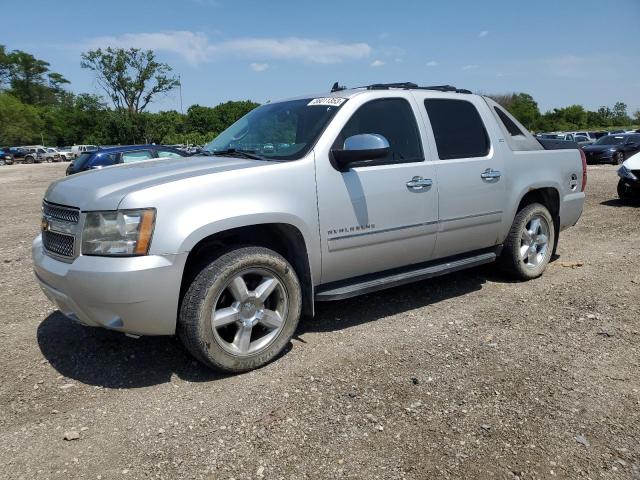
(105, 157)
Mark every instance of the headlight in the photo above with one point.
(118, 233)
(624, 172)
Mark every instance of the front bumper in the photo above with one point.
(137, 295)
(599, 157)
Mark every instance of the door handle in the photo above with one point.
(418, 183)
(490, 174)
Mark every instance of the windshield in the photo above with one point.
(610, 140)
(279, 131)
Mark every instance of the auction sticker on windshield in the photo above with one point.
(331, 101)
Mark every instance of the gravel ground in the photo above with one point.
(465, 376)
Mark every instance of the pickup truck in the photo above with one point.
(315, 198)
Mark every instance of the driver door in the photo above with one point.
(374, 218)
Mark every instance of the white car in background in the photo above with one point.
(78, 149)
(63, 155)
(629, 183)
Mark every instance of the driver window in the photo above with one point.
(392, 118)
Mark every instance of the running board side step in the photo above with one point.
(373, 283)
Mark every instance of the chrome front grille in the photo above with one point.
(66, 214)
(60, 230)
(58, 243)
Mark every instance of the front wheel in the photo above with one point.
(618, 158)
(241, 310)
(625, 192)
(529, 245)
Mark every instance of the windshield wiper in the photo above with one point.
(233, 152)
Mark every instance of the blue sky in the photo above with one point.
(562, 53)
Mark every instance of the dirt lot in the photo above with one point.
(466, 376)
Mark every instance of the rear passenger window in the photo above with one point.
(392, 118)
(168, 154)
(457, 128)
(511, 127)
(136, 156)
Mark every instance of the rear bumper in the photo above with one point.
(137, 295)
(571, 209)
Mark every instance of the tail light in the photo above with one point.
(583, 157)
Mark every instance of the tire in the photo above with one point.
(625, 193)
(618, 158)
(520, 262)
(29, 160)
(270, 323)
(2, 162)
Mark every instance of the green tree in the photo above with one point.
(5, 67)
(28, 82)
(620, 116)
(19, 123)
(522, 106)
(131, 78)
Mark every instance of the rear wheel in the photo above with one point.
(529, 245)
(241, 310)
(29, 160)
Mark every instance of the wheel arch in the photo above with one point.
(283, 238)
(550, 198)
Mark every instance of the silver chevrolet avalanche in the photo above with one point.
(316, 198)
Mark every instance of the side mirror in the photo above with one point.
(361, 150)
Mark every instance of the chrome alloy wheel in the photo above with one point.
(535, 242)
(249, 312)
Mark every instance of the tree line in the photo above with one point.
(36, 105)
(574, 117)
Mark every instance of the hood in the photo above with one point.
(633, 162)
(105, 188)
(599, 148)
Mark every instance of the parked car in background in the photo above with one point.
(613, 149)
(20, 155)
(79, 149)
(68, 148)
(63, 155)
(582, 141)
(51, 155)
(629, 183)
(106, 157)
(35, 154)
(598, 134)
(588, 138)
(6, 157)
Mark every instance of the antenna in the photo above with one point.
(337, 87)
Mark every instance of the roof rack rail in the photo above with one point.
(446, 88)
(411, 85)
(386, 86)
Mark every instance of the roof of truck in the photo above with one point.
(339, 91)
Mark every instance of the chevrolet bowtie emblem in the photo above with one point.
(44, 224)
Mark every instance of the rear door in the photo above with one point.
(471, 184)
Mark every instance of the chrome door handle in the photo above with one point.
(490, 174)
(418, 183)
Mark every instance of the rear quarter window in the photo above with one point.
(458, 129)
